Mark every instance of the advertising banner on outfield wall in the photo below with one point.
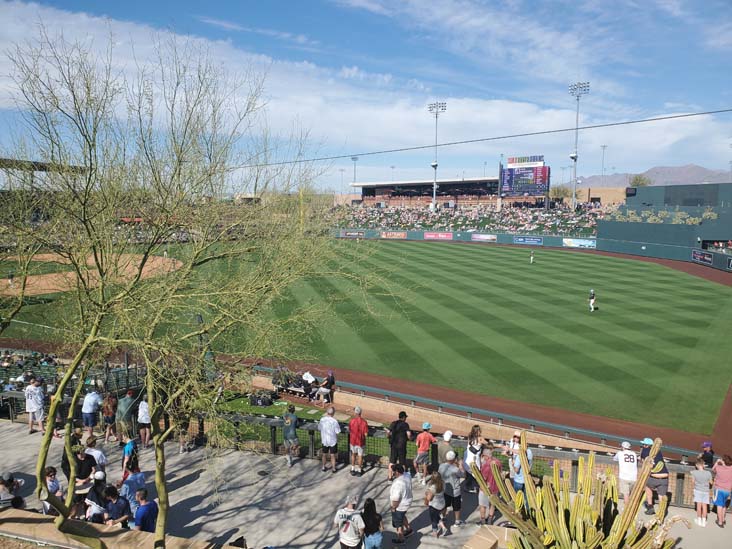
(353, 234)
(394, 235)
(477, 237)
(579, 243)
(531, 240)
(438, 236)
(700, 256)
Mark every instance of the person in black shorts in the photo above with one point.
(398, 433)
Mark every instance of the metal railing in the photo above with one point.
(491, 416)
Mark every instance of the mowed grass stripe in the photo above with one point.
(535, 273)
(652, 357)
(536, 338)
(532, 317)
(467, 342)
(393, 349)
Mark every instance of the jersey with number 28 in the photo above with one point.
(627, 465)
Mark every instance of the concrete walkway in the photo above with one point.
(221, 496)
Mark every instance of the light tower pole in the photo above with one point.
(603, 164)
(342, 170)
(578, 89)
(355, 159)
(392, 173)
(436, 108)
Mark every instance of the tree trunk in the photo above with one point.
(161, 486)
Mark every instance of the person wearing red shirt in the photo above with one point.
(424, 442)
(357, 431)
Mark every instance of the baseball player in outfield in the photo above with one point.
(592, 301)
(531, 258)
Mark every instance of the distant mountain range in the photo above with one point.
(690, 174)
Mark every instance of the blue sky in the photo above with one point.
(359, 73)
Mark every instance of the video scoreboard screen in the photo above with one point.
(532, 181)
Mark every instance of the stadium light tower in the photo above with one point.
(603, 163)
(578, 89)
(436, 108)
(355, 159)
(342, 170)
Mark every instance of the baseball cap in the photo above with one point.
(447, 435)
(707, 444)
(426, 426)
(450, 455)
(357, 410)
(99, 475)
(7, 477)
(402, 414)
(517, 433)
(351, 499)
(647, 441)
(625, 445)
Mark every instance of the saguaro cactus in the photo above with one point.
(589, 520)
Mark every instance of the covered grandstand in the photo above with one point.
(418, 193)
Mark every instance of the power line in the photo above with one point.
(485, 139)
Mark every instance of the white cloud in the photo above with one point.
(353, 110)
(718, 36)
(373, 6)
(298, 39)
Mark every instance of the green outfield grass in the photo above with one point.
(480, 318)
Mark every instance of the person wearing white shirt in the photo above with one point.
(96, 453)
(90, 409)
(350, 523)
(144, 422)
(329, 429)
(34, 404)
(400, 496)
(627, 470)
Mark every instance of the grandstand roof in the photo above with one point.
(418, 182)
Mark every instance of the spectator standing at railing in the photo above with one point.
(289, 434)
(398, 433)
(476, 442)
(443, 447)
(658, 479)
(424, 441)
(329, 429)
(357, 431)
(90, 409)
(109, 411)
(722, 486)
(486, 471)
(124, 415)
(707, 454)
(702, 481)
(627, 470)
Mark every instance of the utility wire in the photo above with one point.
(485, 139)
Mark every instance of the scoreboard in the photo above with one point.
(529, 181)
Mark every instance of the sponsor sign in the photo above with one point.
(579, 243)
(438, 236)
(477, 237)
(699, 256)
(353, 234)
(394, 235)
(729, 263)
(531, 240)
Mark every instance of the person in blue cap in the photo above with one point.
(425, 440)
(658, 479)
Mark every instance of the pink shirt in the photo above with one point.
(723, 477)
(424, 440)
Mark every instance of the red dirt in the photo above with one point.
(721, 435)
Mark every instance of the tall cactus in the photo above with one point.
(589, 520)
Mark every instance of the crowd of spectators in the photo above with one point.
(557, 221)
(721, 247)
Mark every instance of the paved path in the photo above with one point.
(220, 497)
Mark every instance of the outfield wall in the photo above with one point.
(553, 241)
(660, 241)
